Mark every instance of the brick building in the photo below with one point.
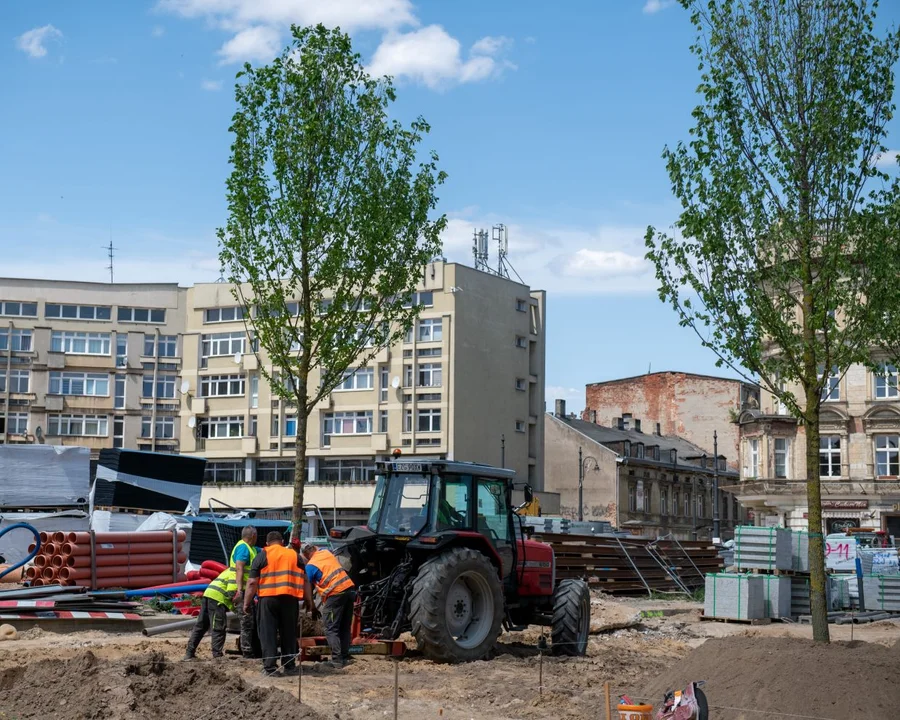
(686, 405)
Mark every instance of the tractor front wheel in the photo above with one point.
(456, 606)
(571, 618)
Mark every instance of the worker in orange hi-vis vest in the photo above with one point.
(338, 593)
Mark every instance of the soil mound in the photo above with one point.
(788, 675)
(87, 688)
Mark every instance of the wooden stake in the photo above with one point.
(396, 689)
(606, 695)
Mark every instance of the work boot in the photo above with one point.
(291, 672)
(348, 660)
(333, 664)
(266, 672)
(188, 656)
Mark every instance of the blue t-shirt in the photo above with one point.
(242, 553)
(313, 573)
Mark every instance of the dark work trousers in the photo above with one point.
(338, 615)
(278, 616)
(248, 629)
(213, 616)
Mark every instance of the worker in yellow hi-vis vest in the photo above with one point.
(242, 556)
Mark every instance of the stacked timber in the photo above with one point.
(632, 566)
(109, 560)
(734, 596)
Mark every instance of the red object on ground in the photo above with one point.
(212, 565)
(193, 575)
(208, 574)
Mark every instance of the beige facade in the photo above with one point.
(79, 363)
(467, 384)
(859, 456)
(79, 366)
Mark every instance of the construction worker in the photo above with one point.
(279, 580)
(217, 601)
(242, 556)
(338, 593)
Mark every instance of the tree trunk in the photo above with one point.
(817, 579)
(299, 471)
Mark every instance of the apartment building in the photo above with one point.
(859, 455)
(467, 383)
(170, 369)
(90, 364)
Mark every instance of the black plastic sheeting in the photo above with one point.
(160, 466)
(205, 543)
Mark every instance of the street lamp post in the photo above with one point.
(716, 522)
(582, 461)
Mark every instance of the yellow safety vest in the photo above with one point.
(223, 588)
(253, 554)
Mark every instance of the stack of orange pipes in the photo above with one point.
(120, 559)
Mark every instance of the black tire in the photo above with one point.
(571, 618)
(450, 588)
(702, 704)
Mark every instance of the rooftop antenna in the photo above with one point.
(500, 234)
(480, 250)
(110, 251)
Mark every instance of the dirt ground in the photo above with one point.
(636, 655)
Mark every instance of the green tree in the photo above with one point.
(784, 260)
(329, 220)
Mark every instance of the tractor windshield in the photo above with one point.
(400, 505)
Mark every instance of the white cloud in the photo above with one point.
(158, 31)
(887, 159)
(432, 56)
(34, 41)
(654, 6)
(599, 264)
(255, 43)
(211, 85)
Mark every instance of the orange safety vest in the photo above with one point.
(334, 579)
(282, 575)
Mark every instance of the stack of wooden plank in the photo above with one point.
(631, 566)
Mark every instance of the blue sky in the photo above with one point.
(115, 118)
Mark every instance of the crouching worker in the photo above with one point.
(218, 600)
(338, 594)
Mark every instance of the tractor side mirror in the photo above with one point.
(529, 493)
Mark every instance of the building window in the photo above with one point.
(165, 386)
(121, 350)
(141, 315)
(647, 488)
(77, 312)
(221, 386)
(701, 504)
(168, 346)
(383, 421)
(521, 384)
(120, 392)
(118, 432)
(275, 471)
(428, 441)
(225, 314)
(521, 341)
(429, 420)
(431, 330)
(830, 456)
(673, 456)
(430, 375)
(360, 379)
(224, 427)
(520, 426)
(632, 497)
(674, 502)
(687, 503)
(626, 448)
(426, 352)
(428, 397)
(224, 472)
(13, 308)
(832, 388)
(886, 383)
(639, 451)
(752, 469)
(663, 501)
(385, 383)
(425, 299)
(782, 446)
(19, 381)
(78, 425)
(165, 427)
(408, 336)
(407, 375)
(254, 391)
(71, 383)
(887, 455)
(15, 340)
(346, 470)
(521, 305)
(407, 421)
(222, 344)
(352, 422)
(79, 343)
(18, 424)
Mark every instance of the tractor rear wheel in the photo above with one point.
(571, 618)
(456, 606)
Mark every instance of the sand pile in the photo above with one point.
(788, 675)
(87, 688)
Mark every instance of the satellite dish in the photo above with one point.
(192, 421)
(237, 358)
(185, 386)
(395, 383)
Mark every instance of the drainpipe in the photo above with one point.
(8, 382)
(153, 394)
(619, 462)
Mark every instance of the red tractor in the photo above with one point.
(445, 556)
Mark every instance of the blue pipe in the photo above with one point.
(147, 592)
(37, 545)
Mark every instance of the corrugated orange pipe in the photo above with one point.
(138, 571)
(84, 561)
(119, 537)
(120, 548)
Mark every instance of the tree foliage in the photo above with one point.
(785, 258)
(329, 219)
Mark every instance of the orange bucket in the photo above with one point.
(635, 712)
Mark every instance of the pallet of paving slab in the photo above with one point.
(775, 571)
(739, 621)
